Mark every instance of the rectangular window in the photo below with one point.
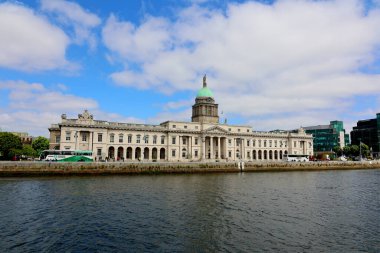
(174, 126)
(275, 144)
(239, 130)
(196, 127)
(67, 147)
(162, 139)
(183, 141)
(196, 141)
(84, 137)
(129, 138)
(146, 139)
(112, 138)
(185, 127)
(99, 152)
(57, 138)
(295, 144)
(68, 135)
(173, 152)
(247, 130)
(173, 140)
(270, 143)
(247, 143)
(121, 137)
(154, 139)
(265, 144)
(253, 143)
(229, 129)
(100, 137)
(138, 138)
(229, 141)
(196, 153)
(229, 154)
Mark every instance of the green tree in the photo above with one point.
(338, 150)
(354, 150)
(347, 151)
(28, 151)
(40, 143)
(365, 150)
(8, 141)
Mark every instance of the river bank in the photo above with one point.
(99, 168)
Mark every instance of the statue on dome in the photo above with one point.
(204, 81)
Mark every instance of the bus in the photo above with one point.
(296, 158)
(67, 155)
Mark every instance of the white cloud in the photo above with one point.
(33, 107)
(292, 56)
(29, 42)
(72, 14)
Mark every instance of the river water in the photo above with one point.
(331, 211)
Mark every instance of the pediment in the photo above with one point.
(216, 130)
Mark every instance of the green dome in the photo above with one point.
(205, 92)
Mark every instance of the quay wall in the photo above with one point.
(101, 168)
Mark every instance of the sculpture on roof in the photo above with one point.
(204, 81)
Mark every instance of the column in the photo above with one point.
(203, 140)
(180, 147)
(225, 147)
(133, 154)
(219, 156)
(91, 141)
(211, 148)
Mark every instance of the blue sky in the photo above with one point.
(271, 64)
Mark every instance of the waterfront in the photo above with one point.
(329, 211)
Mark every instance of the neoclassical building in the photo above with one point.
(202, 139)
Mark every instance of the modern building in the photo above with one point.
(368, 132)
(204, 138)
(326, 137)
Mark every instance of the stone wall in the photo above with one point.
(82, 168)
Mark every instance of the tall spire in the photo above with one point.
(204, 81)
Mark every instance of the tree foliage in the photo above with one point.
(338, 150)
(40, 143)
(9, 141)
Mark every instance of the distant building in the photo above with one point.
(202, 139)
(368, 132)
(326, 137)
(25, 137)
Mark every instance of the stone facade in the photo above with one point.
(203, 139)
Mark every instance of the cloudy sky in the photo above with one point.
(271, 64)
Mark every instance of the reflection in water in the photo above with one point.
(294, 212)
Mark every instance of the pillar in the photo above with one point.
(203, 147)
(211, 148)
(218, 157)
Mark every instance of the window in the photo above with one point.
(309, 144)
(238, 129)
(196, 141)
(174, 126)
(173, 140)
(68, 135)
(138, 138)
(196, 153)
(259, 143)
(285, 143)
(229, 141)
(270, 143)
(229, 154)
(100, 137)
(247, 130)
(265, 144)
(130, 138)
(229, 129)
(185, 127)
(146, 139)
(253, 143)
(247, 143)
(66, 148)
(154, 139)
(196, 127)
(99, 152)
(57, 138)
(183, 141)
(162, 139)
(294, 144)
(112, 138)
(121, 137)
(173, 152)
(184, 153)
(84, 137)
(275, 144)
